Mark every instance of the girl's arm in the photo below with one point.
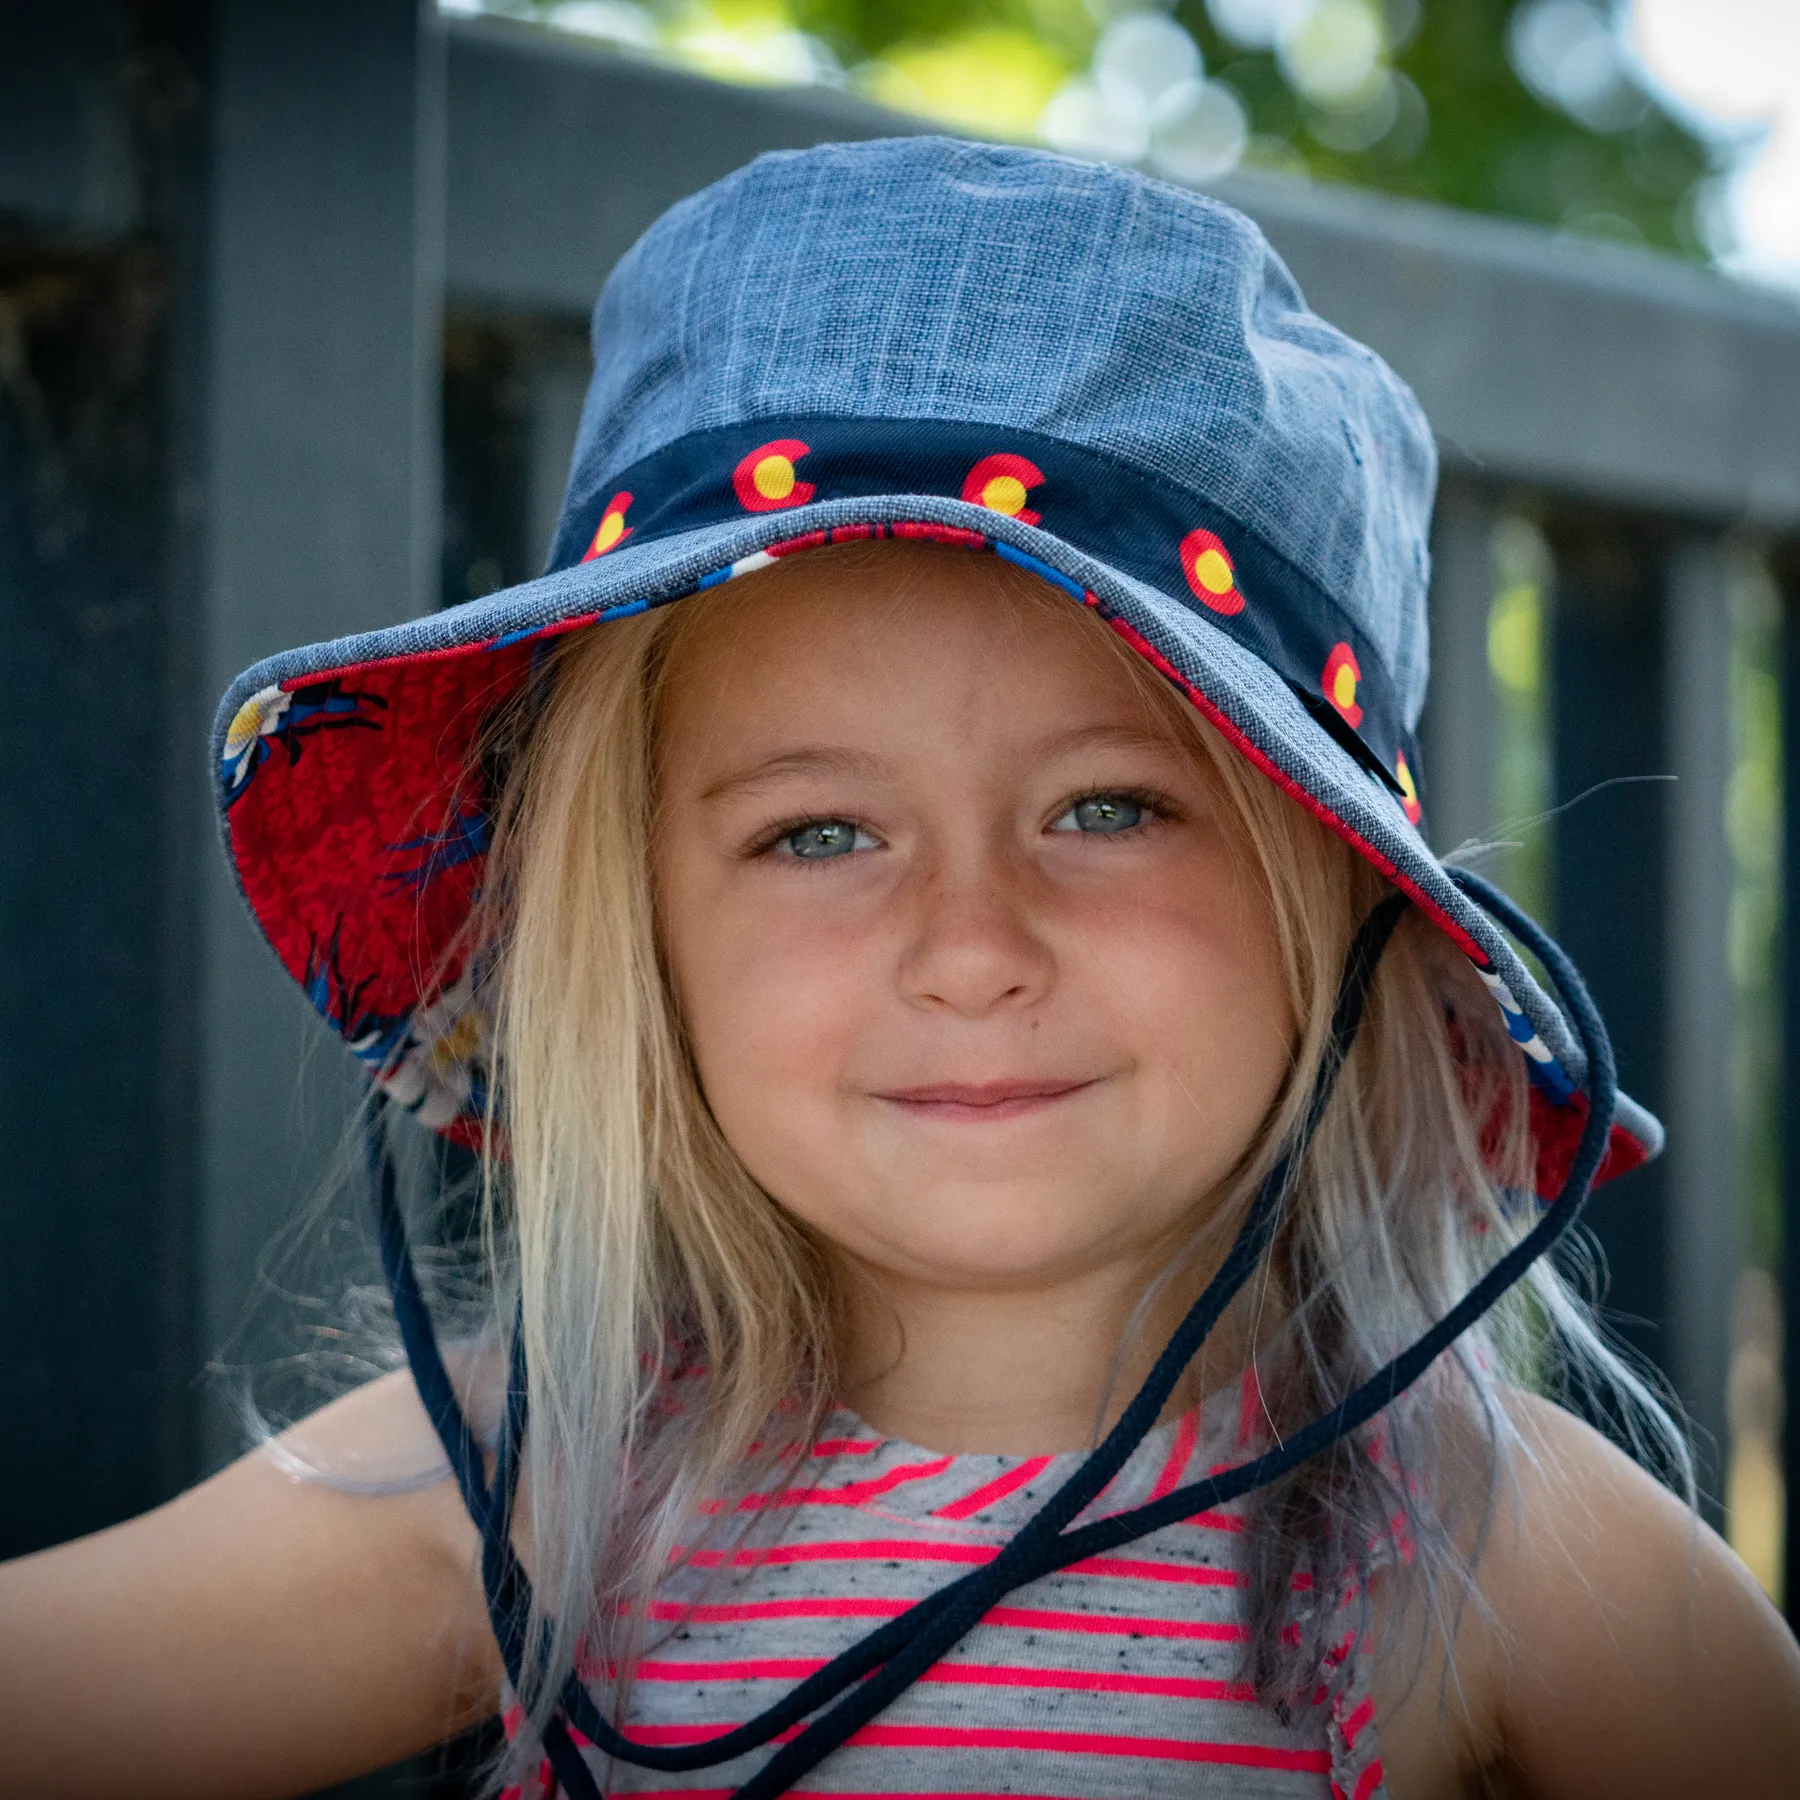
(1627, 1651)
(1645, 1660)
(258, 1636)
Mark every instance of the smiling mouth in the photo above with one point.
(981, 1102)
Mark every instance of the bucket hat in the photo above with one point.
(1106, 380)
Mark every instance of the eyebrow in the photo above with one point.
(806, 760)
(860, 764)
(1104, 737)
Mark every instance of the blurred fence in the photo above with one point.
(292, 302)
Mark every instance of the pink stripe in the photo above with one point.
(852, 1493)
(1187, 1433)
(753, 1668)
(1090, 1743)
(958, 1674)
(1352, 1726)
(1368, 1781)
(1130, 1569)
(823, 1447)
(1219, 1521)
(906, 1550)
(997, 1489)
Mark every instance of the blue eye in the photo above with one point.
(824, 839)
(1102, 815)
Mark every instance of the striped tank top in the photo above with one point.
(1118, 1678)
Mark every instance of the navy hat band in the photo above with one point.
(1129, 518)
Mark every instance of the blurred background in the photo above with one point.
(292, 342)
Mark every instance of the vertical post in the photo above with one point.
(99, 153)
(322, 300)
(1608, 860)
(90, 1340)
(1458, 727)
(1788, 574)
(1703, 1236)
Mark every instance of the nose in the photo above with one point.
(976, 947)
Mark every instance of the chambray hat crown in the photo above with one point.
(1146, 340)
(1106, 380)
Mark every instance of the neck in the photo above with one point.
(1017, 1371)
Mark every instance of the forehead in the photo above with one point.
(892, 638)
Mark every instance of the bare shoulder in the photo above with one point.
(1621, 1646)
(263, 1634)
(1589, 1527)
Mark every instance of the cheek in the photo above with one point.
(1202, 994)
(771, 999)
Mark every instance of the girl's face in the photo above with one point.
(973, 965)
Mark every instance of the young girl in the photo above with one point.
(980, 935)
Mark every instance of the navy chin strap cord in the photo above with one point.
(898, 1653)
(508, 1595)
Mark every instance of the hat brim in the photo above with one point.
(357, 831)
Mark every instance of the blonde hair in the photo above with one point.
(642, 1251)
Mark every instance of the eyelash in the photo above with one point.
(765, 843)
(1160, 807)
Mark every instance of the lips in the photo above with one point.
(982, 1101)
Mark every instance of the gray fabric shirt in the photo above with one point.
(1118, 1678)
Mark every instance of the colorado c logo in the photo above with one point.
(1207, 565)
(1000, 483)
(1409, 791)
(765, 479)
(613, 530)
(1342, 673)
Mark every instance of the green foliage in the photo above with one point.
(1465, 130)
(861, 29)
(1481, 140)
(1489, 144)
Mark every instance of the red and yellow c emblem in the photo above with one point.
(1208, 567)
(1409, 791)
(613, 530)
(765, 479)
(1342, 673)
(1000, 483)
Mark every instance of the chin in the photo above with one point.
(963, 1240)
